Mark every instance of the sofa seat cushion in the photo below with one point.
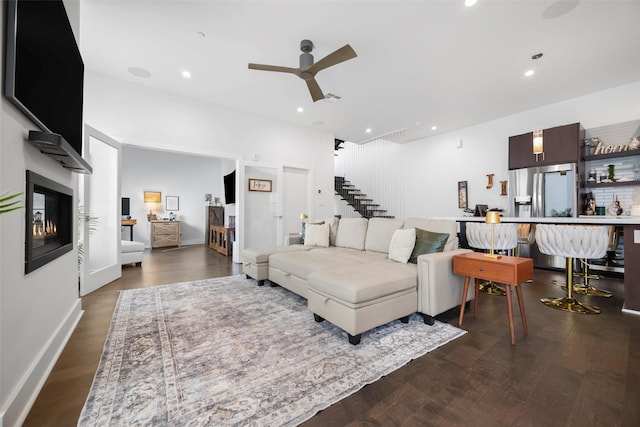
(129, 246)
(356, 284)
(352, 255)
(379, 233)
(301, 264)
(352, 233)
(261, 255)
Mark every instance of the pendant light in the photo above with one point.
(538, 143)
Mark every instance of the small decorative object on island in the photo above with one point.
(490, 182)
(634, 144)
(493, 217)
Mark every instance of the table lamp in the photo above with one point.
(493, 217)
(303, 217)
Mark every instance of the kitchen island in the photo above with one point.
(631, 230)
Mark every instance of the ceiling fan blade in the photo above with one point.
(314, 89)
(345, 53)
(277, 68)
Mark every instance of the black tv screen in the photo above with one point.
(44, 72)
(126, 210)
(230, 188)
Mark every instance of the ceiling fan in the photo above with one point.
(308, 69)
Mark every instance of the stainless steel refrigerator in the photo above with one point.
(544, 191)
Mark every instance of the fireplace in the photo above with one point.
(49, 221)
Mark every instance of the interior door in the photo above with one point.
(100, 219)
(260, 208)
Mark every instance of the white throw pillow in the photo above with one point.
(401, 245)
(317, 235)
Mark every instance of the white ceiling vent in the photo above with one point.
(392, 136)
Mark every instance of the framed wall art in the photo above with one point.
(463, 196)
(173, 203)
(260, 185)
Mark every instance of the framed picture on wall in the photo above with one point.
(173, 203)
(463, 196)
(260, 185)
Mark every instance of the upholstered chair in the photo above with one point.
(572, 241)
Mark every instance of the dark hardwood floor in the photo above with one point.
(570, 370)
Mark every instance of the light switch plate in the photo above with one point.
(636, 236)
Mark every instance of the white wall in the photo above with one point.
(38, 311)
(433, 166)
(138, 115)
(154, 170)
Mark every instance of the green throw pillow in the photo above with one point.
(428, 242)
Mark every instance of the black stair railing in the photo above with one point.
(358, 200)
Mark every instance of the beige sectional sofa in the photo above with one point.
(354, 282)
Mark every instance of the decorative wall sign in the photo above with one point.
(462, 195)
(173, 203)
(260, 185)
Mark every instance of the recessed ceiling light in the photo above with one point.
(529, 73)
(186, 74)
(139, 72)
(470, 3)
(368, 130)
(434, 127)
(300, 109)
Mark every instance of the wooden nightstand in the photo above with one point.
(508, 270)
(165, 233)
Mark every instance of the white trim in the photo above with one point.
(22, 399)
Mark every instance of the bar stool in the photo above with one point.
(526, 236)
(505, 238)
(571, 241)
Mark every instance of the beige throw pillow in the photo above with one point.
(317, 235)
(401, 245)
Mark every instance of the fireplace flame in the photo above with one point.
(41, 230)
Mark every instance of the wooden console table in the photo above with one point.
(129, 223)
(508, 270)
(221, 239)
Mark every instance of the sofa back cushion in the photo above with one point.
(379, 233)
(352, 233)
(437, 226)
(333, 229)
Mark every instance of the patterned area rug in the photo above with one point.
(227, 352)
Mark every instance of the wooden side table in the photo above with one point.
(129, 223)
(508, 270)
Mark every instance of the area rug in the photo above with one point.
(227, 352)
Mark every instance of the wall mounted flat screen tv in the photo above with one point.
(44, 72)
(230, 188)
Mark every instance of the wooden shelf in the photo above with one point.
(612, 155)
(610, 184)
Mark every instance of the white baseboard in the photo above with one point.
(19, 405)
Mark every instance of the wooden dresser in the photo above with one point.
(165, 233)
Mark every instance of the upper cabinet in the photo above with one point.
(561, 144)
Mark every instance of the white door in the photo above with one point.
(260, 214)
(296, 190)
(100, 207)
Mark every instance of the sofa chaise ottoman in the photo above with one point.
(131, 252)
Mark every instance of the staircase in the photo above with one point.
(358, 200)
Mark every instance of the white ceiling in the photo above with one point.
(419, 64)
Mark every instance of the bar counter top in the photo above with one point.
(582, 220)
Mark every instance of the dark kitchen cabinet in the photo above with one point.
(561, 145)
